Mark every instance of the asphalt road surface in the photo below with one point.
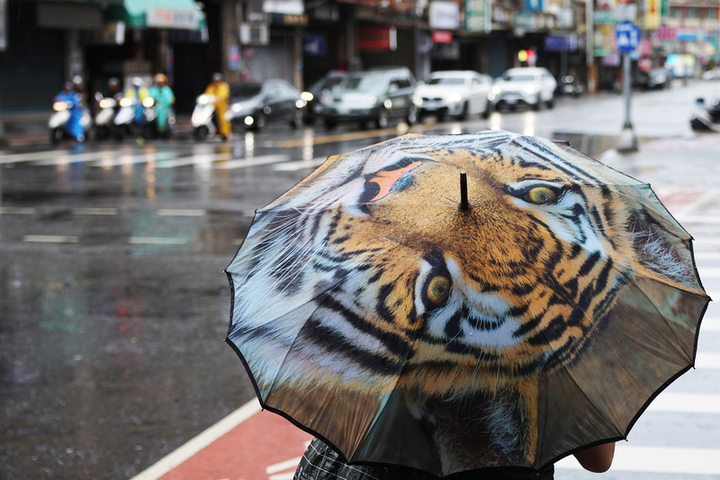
(113, 305)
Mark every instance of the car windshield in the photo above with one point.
(446, 81)
(518, 77)
(327, 83)
(374, 83)
(245, 90)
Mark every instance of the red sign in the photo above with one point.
(442, 36)
(376, 38)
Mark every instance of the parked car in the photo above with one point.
(713, 74)
(376, 95)
(460, 93)
(255, 104)
(657, 78)
(532, 86)
(323, 87)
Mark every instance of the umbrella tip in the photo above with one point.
(464, 203)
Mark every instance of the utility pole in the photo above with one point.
(627, 38)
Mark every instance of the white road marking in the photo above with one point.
(51, 239)
(16, 211)
(697, 219)
(134, 158)
(279, 467)
(67, 158)
(94, 211)
(697, 461)
(299, 165)
(710, 324)
(51, 154)
(708, 273)
(193, 446)
(706, 360)
(686, 403)
(253, 162)
(195, 160)
(181, 212)
(158, 241)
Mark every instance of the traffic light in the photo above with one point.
(526, 56)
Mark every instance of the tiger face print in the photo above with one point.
(373, 280)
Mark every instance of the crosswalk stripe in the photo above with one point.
(692, 461)
(51, 239)
(253, 162)
(181, 212)
(195, 160)
(707, 360)
(706, 273)
(67, 158)
(16, 211)
(158, 241)
(51, 154)
(710, 324)
(299, 164)
(94, 211)
(132, 159)
(686, 403)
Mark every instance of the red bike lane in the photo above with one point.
(248, 444)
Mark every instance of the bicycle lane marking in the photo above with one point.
(248, 444)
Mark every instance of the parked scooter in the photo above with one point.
(568, 86)
(203, 117)
(58, 123)
(705, 116)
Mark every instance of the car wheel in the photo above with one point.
(538, 103)
(465, 111)
(488, 110)
(551, 102)
(298, 119)
(383, 118)
(260, 122)
(412, 116)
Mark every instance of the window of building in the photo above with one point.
(692, 12)
(674, 12)
(710, 14)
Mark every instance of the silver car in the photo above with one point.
(533, 86)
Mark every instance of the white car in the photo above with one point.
(460, 93)
(533, 86)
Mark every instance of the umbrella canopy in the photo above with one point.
(403, 324)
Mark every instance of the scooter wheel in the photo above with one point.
(56, 135)
(201, 133)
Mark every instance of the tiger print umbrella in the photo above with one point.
(376, 309)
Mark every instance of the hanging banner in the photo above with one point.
(377, 38)
(652, 14)
(444, 15)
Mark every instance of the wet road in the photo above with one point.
(112, 301)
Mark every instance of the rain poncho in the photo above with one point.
(73, 124)
(221, 92)
(164, 98)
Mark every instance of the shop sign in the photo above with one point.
(652, 14)
(159, 17)
(620, 13)
(501, 16)
(561, 43)
(477, 16)
(314, 44)
(290, 7)
(533, 5)
(444, 15)
(377, 39)
(288, 19)
(442, 36)
(234, 57)
(666, 34)
(533, 22)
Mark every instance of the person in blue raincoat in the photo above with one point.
(164, 100)
(73, 99)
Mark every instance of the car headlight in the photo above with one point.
(203, 100)
(496, 90)
(387, 103)
(307, 96)
(417, 100)
(60, 106)
(148, 102)
(530, 89)
(300, 103)
(455, 97)
(249, 120)
(125, 102)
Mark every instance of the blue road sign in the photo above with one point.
(627, 36)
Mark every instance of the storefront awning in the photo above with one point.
(170, 14)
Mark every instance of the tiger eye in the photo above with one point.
(541, 195)
(438, 289)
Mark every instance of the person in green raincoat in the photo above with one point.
(164, 99)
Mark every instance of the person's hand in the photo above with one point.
(597, 459)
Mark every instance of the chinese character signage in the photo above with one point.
(652, 14)
(444, 15)
(478, 16)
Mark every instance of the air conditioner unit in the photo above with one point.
(254, 34)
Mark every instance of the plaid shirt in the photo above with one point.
(321, 462)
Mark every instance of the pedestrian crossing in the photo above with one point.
(160, 159)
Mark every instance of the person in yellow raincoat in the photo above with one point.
(221, 91)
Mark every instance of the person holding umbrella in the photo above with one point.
(321, 462)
